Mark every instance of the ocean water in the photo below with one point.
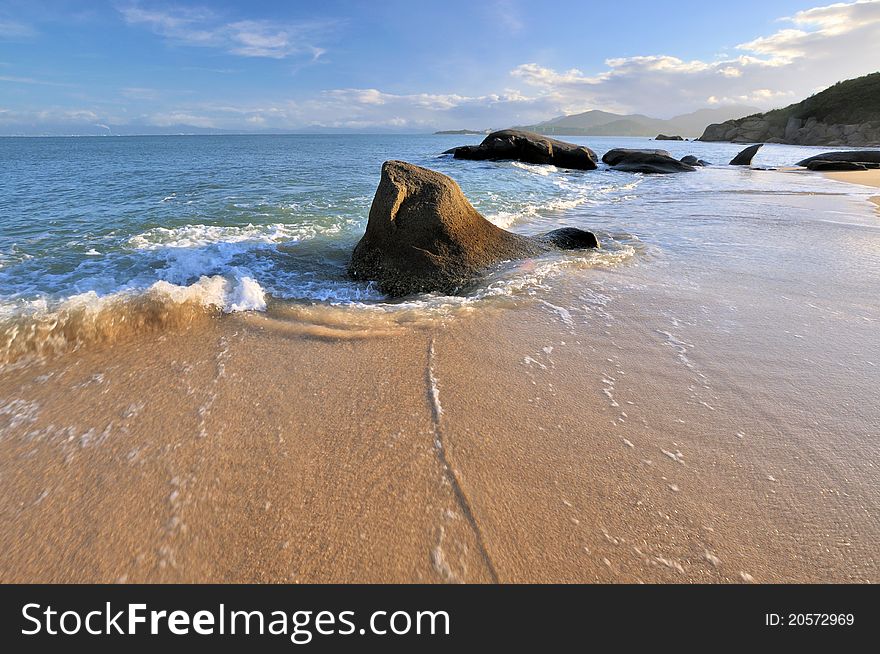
(143, 231)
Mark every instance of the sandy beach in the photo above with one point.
(866, 178)
(620, 427)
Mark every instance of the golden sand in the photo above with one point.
(522, 444)
(863, 177)
(647, 422)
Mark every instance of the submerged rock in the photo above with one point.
(424, 236)
(570, 238)
(853, 156)
(745, 157)
(691, 160)
(516, 145)
(645, 161)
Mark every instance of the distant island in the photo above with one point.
(604, 123)
(846, 114)
(461, 132)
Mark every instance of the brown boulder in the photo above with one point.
(424, 236)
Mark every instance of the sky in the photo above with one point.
(101, 66)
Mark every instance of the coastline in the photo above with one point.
(863, 178)
(617, 427)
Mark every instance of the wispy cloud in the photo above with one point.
(140, 93)
(507, 14)
(13, 79)
(198, 26)
(14, 30)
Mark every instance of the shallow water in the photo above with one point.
(96, 231)
(698, 401)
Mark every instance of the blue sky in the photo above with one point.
(75, 67)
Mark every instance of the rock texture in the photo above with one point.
(795, 131)
(644, 161)
(517, 145)
(664, 137)
(745, 157)
(424, 236)
(828, 166)
(854, 156)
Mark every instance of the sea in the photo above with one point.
(99, 231)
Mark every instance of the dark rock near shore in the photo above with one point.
(745, 157)
(644, 161)
(829, 166)
(691, 160)
(516, 145)
(570, 238)
(854, 156)
(424, 236)
(664, 137)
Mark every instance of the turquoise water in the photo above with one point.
(241, 221)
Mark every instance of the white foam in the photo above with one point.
(241, 294)
(539, 169)
(194, 236)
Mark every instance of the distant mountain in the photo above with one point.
(604, 123)
(847, 113)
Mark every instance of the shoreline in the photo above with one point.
(697, 415)
(862, 178)
(615, 428)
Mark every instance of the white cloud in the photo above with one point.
(196, 26)
(825, 45)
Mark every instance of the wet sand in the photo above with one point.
(671, 421)
(866, 178)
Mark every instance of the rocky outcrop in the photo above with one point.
(853, 156)
(664, 137)
(691, 160)
(516, 145)
(847, 113)
(794, 131)
(644, 161)
(424, 236)
(745, 157)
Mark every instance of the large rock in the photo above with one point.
(424, 236)
(829, 166)
(664, 137)
(516, 145)
(745, 157)
(854, 156)
(644, 161)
